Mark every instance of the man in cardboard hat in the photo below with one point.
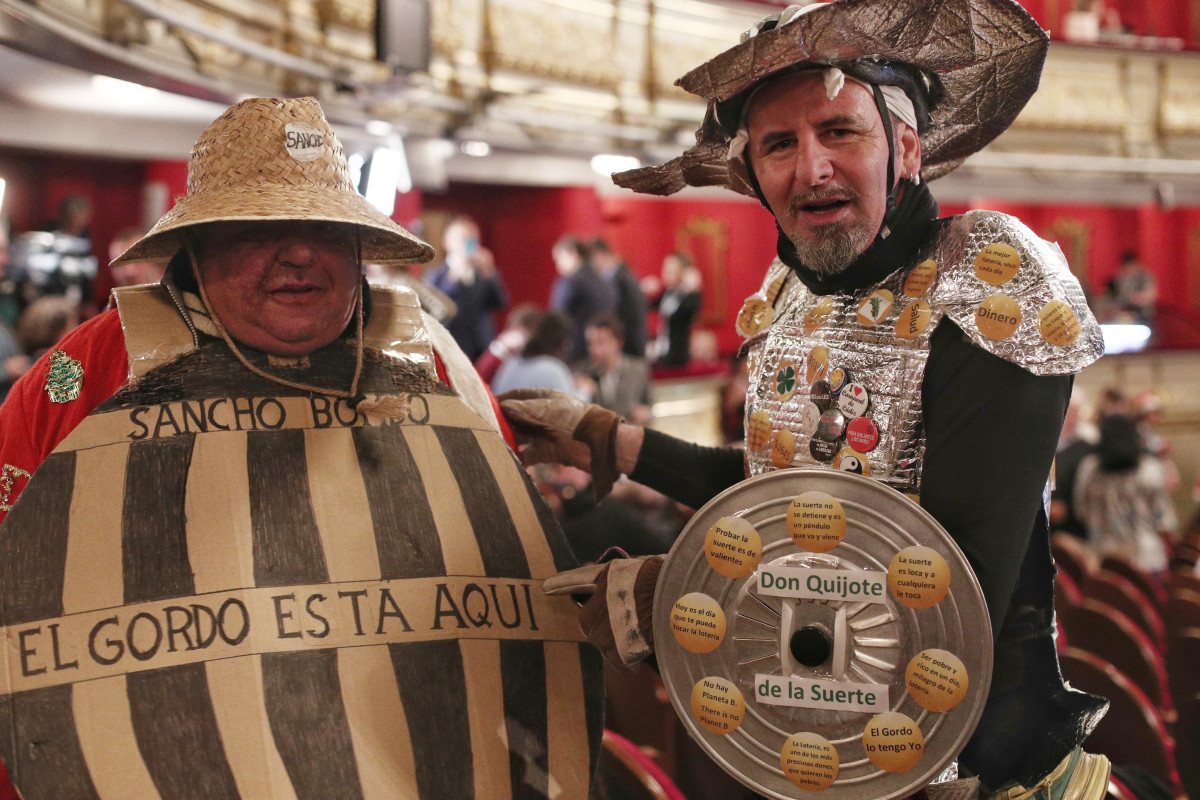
(933, 355)
(264, 538)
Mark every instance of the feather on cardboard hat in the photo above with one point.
(983, 57)
(272, 159)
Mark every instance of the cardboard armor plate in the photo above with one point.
(820, 632)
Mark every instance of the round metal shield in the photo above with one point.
(818, 631)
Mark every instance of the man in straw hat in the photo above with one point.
(264, 538)
(934, 355)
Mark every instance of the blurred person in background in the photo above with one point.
(578, 291)
(631, 303)
(44, 322)
(1077, 440)
(468, 277)
(13, 362)
(677, 298)
(621, 382)
(58, 261)
(1132, 293)
(1121, 496)
(511, 341)
(135, 272)
(542, 364)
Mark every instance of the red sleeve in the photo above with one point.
(31, 426)
(505, 430)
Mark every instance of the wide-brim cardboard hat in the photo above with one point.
(275, 159)
(988, 55)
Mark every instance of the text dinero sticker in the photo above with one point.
(816, 522)
(893, 742)
(810, 761)
(698, 622)
(718, 705)
(936, 679)
(919, 577)
(998, 317)
(733, 547)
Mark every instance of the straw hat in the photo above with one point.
(988, 55)
(269, 159)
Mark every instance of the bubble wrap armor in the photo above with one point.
(1009, 291)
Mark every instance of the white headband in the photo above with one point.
(894, 98)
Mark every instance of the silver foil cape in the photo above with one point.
(1052, 333)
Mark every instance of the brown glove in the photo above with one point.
(555, 427)
(618, 618)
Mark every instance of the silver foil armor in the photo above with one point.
(892, 368)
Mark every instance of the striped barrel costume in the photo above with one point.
(220, 587)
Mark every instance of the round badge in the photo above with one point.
(810, 417)
(822, 450)
(854, 400)
(786, 379)
(893, 742)
(820, 395)
(997, 263)
(303, 141)
(816, 316)
(875, 307)
(936, 679)
(816, 522)
(758, 431)
(755, 316)
(817, 363)
(920, 279)
(837, 379)
(850, 460)
(919, 577)
(998, 316)
(718, 705)
(810, 761)
(783, 448)
(913, 320)
(862, 435)
(1058, 324)
(733, 547)
(698, 623)
(831, 426)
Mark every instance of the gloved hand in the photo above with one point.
(555, 427)
(618, 618)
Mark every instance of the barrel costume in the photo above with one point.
(258, 593)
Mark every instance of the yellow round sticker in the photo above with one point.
(758, 432)
(1058, 324)
(816, 522)
(875, 307)
(733, 547)
(997, 263)
(783, 449)
(920, 279)
(936, 679)
(850, 460)
(718, 705)
(893, 742)
(998, 317)
(913, 320)
(919, 577)
(698, 622)
(817, 363)
(810, 761)
(816, 316)
(755, 316)
(787, 380)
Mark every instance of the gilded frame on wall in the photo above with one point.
(706, 241)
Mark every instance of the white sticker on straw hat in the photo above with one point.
(304, 142)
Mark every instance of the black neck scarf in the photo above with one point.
(909, 227)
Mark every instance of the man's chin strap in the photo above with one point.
(892, 187)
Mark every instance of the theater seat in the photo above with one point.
(1130, 599)
(1072, 556)
(1102, 630)
(1150, 585)
(630, 774)
(1182, 610)
(1183, 664)
(1132, 732)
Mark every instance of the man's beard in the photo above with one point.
(830, 249)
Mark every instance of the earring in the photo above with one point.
(915, 177)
